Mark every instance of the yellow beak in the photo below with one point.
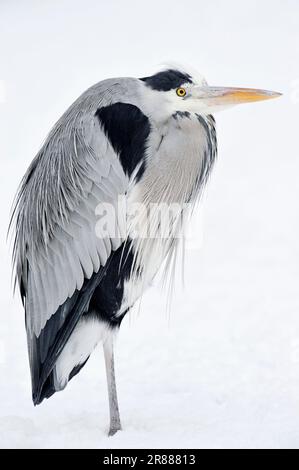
(227, 96)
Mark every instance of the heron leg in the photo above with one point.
(115, 424)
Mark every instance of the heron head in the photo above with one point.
(173, 90)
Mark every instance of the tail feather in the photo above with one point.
(45, 349)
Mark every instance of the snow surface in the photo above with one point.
(222, 369)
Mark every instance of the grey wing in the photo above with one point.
(60, 259)
(75, 250)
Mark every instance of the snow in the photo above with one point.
(221, 369)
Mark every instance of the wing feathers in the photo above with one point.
(74, 251)
(59, 257)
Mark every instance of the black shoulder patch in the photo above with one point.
(167, 80)
(128, 129)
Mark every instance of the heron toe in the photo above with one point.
(113, 430)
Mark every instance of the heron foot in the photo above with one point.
(113, 430)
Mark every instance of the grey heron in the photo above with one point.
(149, 141)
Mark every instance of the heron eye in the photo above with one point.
(181, 92)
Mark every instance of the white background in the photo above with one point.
(222, 369)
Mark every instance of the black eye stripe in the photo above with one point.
(167, 80)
